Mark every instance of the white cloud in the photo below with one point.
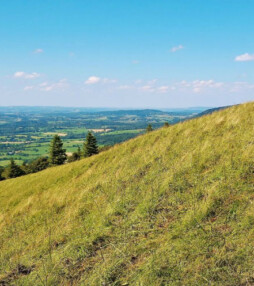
(61, 84)
(245, 57)
(38, 51)
(199, 85)
(176, 48)
(43, 84)
(163, 89)
(204, 87)
(148, 88)
(92, 80)
(96, 79)
(21, 74)
(195, 86)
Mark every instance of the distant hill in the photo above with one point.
(211, 110)
(171, 207)
(59, 109)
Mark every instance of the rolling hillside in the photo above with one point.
(172, 207)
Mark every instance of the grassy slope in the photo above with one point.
(173, 207)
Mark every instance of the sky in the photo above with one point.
(126, 54)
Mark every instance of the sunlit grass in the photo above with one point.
(172, 207)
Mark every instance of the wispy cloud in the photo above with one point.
(125, 87)
(199, 85)
(176, 48)
(46, 86)
(61, 84)
(21, 74)
(95, 79)
(245, 57)
(45, 83)
(163, 89)
(38, 51)
(240, 86)
(148, 88)
(151, 87)
(108, 80)
(195, 86)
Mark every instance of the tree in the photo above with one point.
(90, 145)
(38, 165)
(79, 153)
(166, 124)
(1, 172)
(57, 155)
(149, 128)
(13, 170)
(25, 167)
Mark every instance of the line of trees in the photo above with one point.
(57, 156)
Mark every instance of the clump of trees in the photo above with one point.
(57, 156)
(13, 170)
(1, 173)
(149, 128)
(90, 148)
(37, 165)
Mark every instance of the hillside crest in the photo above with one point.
(172, 207)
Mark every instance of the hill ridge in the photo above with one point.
(172, 207)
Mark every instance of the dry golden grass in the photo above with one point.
(172, 207)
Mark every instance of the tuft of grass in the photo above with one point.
(171, 207)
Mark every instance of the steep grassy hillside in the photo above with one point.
(172, 207)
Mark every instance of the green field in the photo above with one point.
(25, 133)
(171, 207)
(27, 151)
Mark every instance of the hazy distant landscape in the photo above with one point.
(25, 132)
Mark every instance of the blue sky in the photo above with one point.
(127, 53)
